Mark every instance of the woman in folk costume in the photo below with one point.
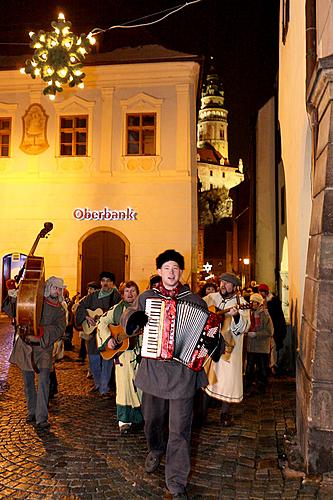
(128, 397)
(259, 343)
(225, 376)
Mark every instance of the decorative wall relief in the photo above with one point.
(34, 140)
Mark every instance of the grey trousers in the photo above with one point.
(177, 443)
(37, 400)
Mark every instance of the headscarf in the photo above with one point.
(54, 281)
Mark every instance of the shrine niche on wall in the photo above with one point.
(34, 140)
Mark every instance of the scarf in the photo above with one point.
(172, 294)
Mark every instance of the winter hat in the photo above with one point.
(10, 284)
(108, 275)
(257, 298)
(54, 281)
(263, 287)
(230, 278)
(170, 255)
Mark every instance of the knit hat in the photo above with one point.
(230, 278)
(10, 284)
(108, 275)
(257, 298)
(263, 287)
(170, 255)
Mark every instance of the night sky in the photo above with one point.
(241, 35)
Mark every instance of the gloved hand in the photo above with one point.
(136, 322)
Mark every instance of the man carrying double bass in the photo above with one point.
(33, 353)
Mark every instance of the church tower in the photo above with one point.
(213, 117)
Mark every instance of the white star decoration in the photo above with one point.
(207, 267)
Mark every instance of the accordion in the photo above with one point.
(179, 331)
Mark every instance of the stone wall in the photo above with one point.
(315, 366)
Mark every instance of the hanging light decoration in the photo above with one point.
(58, 57)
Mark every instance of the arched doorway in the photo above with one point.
(102, 249)
(11, 265)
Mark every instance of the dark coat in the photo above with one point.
(91, 301)
(53, 321)
(274, 307)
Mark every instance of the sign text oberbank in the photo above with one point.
(104, 214)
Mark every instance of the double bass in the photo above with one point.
(31, 289)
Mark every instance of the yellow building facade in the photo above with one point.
(112, 166)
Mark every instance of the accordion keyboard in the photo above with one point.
(151, 342)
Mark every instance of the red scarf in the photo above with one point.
(168, 293)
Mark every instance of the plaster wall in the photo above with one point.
(161, 190)
(265, 196)
(296, 153)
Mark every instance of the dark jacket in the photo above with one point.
(53, 321)
(92, 302)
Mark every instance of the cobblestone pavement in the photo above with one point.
(83, 455)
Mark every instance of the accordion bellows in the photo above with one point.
(178, 330)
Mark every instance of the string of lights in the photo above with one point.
(59, 54)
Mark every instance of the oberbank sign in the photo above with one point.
(104, 214)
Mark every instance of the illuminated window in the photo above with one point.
(5, 132)
(73, 135)
(141, 134)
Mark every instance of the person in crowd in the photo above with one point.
(254, 286)
(9, 304)
(208, 288)
(92, 286)
(274, 306)
(128, 397)
(168, 386)
(33, 353)
(226, 375)
(103, 300)
(68, 337)
(153, 280)
(258, 344)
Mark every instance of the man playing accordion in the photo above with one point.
(168, 385)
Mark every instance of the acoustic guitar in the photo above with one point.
(88, 329)
(123, 341)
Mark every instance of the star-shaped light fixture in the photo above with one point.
(207, 267)
(58, 56)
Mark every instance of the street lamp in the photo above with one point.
(246, 263)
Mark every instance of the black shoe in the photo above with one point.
(152, 462)
(44, 425)
(225, 420)
(183, 494)
(125, 429)
(31, 419)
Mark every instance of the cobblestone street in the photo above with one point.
(84, 456)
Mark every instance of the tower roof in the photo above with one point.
(212, 85)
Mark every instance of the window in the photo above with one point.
(5, 132)
(211, 173)
(73, 135)
(141, 134)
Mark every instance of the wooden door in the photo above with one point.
(102, 251)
